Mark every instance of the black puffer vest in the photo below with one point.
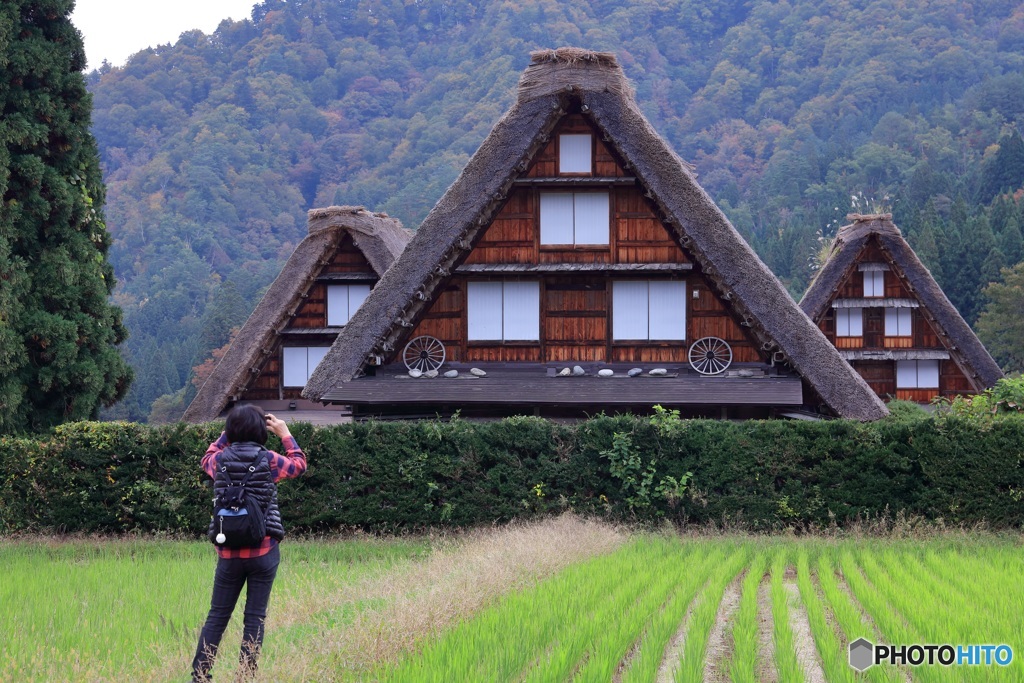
(237, 458)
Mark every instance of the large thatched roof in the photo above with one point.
(555, 81)
(963, 345)
(380, 238)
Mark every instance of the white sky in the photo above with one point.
(117, 29)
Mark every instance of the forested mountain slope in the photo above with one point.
(215, 147)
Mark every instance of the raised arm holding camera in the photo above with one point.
(246, 528)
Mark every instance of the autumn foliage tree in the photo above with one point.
(202, 372)
(58, 332)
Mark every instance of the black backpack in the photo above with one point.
(238, 519)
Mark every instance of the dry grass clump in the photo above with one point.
(397, 611)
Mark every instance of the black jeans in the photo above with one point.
(258, 573)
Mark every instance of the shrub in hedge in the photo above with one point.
(388, 476)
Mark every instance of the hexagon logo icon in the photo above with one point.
(862, 654)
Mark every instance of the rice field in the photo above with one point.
(561, 600)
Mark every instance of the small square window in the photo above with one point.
(343, 301)
(503, 311)
(299, 362)
(898, 322)
(574, 153)
(648, 310)
(874, 283)
(849, 322)
(917, 374)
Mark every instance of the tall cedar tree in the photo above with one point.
(58, 332)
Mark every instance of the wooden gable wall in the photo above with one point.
(576, 311)
(310, 315)
(881, 375)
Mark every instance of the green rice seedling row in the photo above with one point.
(833, 655)
(787, 667)
(744, 630)
(691, 668)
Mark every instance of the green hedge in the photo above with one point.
(388, 476)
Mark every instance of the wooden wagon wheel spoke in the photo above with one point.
(424, 353)
(710, 356)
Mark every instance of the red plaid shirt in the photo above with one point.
(287, 466)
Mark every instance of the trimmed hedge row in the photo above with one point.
(388, 476)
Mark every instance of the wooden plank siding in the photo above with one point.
(952, 380)
(880, 376)
(853, 288)
(511, 237)
(348, 259)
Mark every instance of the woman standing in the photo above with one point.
(239, 448)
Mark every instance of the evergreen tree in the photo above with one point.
(928, 251)
(992, 266)
(1010, 241)
(978, 243)
(58, 333)
(1005, 171)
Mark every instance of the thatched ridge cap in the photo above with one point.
(573, 55)
(352, 217)
(864, 217)
(568, 69)
(866, 224)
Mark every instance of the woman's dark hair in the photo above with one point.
(246, 423)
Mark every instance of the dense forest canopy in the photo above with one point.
(215, 147)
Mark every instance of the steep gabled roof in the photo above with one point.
(963, 345)
(554, 82)
(380, 238)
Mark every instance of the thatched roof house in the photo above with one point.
(875, 300)
(700, 249)
(347, 246)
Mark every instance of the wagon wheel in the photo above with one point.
(710, 356)
(423, 354)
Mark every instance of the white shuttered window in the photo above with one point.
(849, 322)
(574, 218)
(574, 153)
(343, 301)
(874, 283)
(897, 322)
(557, 218)
(484, 310)
(648, 310)
(917, 374)
(629, 310)
(591, 217)
(300, 362)
(503, 311)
